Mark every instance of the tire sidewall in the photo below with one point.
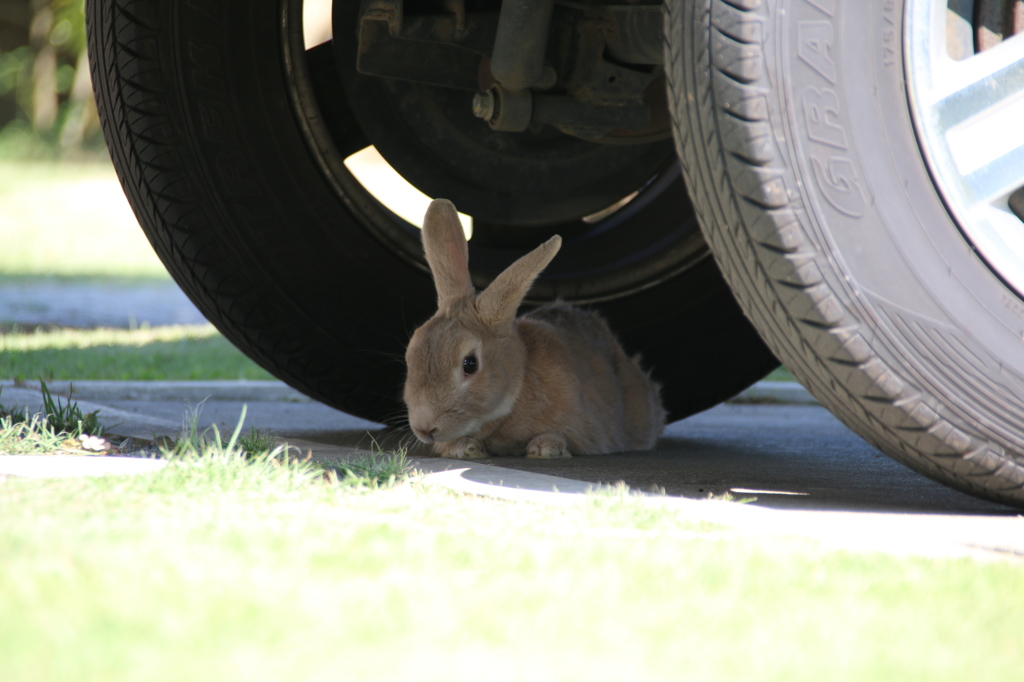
(793, 124)
(902, 264)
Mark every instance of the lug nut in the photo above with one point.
(483, 105)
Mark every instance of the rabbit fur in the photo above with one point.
(552, 383)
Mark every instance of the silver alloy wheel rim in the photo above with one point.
(969, 117)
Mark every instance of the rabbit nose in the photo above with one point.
(425, 434)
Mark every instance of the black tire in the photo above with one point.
(228, 151)
(868, 292)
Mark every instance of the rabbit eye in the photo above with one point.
(469, 364)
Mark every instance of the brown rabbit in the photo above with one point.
(552, 383)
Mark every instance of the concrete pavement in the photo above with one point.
(95, 303)
(809, 476)
(786, 456)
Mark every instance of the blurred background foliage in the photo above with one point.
(46, 103)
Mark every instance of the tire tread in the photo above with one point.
(740, 185)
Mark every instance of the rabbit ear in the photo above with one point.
(497, 304)
(444, 243)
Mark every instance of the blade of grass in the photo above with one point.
(68, 418)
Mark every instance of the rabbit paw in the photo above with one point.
(548, 446)
(462, 448)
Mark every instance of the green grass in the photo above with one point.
(193, 441)
(60, 427)
(376, 470)
(224, 568)
(63, 416)
(35, 434)
(256, 441)
(780, 374)
(70, 220)
(164, 353)
(25, 434)
(67, 416)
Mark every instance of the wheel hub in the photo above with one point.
(418, 77)
(622, 209)
(965, 77)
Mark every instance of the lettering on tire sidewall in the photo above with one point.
(820, 110)
(837, 186)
